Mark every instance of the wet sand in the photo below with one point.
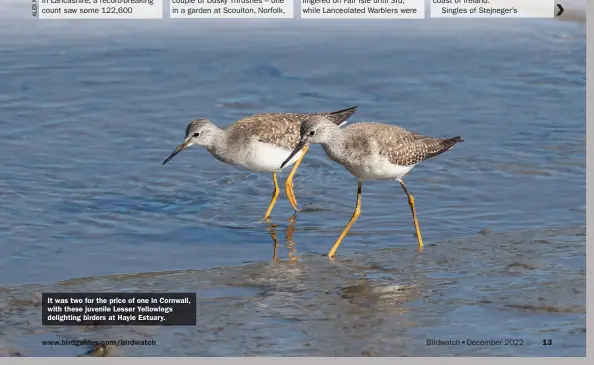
(527, 286)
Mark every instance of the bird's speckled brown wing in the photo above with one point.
(401, 147)
(279, 129)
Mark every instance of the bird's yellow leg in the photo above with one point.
(411, 202)
(350, 223)
(274, 196)
(289, 181)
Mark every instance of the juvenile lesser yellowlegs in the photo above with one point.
(259, 143)
(371, 151)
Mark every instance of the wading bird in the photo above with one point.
(371, 151)
(258, 143)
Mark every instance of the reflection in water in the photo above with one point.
(290, 245)
(272, 229)
(289, 238)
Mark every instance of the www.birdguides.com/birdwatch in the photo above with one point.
(119, 309)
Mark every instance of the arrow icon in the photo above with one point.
(560, 9)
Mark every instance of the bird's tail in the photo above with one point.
(340, 117)
(445, 145)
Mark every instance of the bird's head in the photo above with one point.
(199, 132)
(314, 129)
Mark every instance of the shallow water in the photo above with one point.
(87, 119)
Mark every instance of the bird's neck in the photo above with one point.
(218, 146)
(334, 147)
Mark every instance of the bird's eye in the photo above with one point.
(312, 133)
(196, 134)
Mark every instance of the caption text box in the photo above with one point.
(492, 8)
(362, 9)
(113, 309)
(99, 9)
(235, 9)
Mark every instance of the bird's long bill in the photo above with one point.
(177, 150)
(299, 147)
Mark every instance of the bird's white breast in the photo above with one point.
(264, 157)
(376, 167)
(367, 166)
